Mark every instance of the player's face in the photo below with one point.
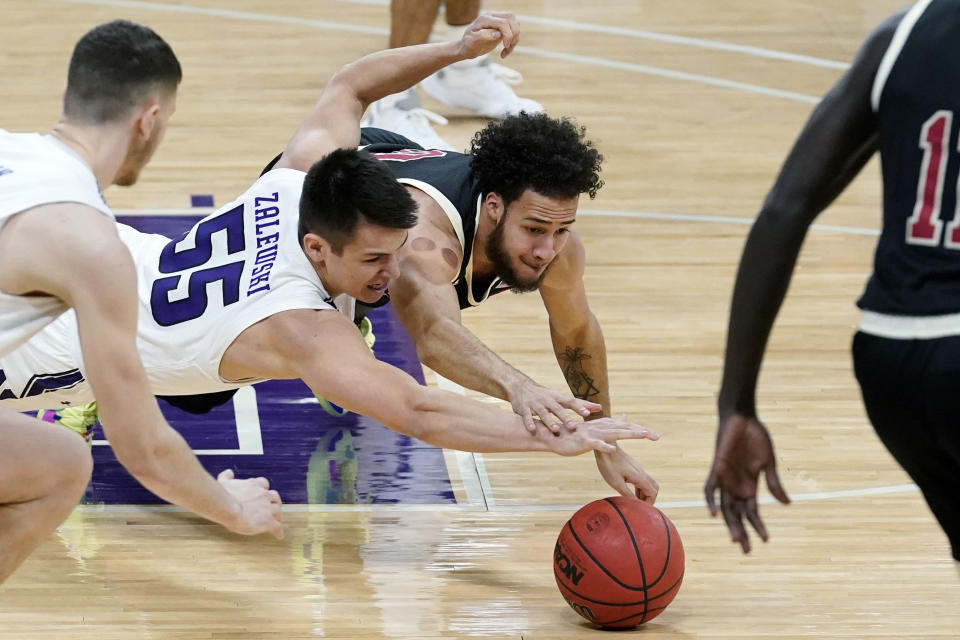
(528, 236)
(141, 150)
(367, 263)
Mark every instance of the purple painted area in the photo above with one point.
(201, 200)
(308, 455)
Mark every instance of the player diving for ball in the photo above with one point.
(306, 232)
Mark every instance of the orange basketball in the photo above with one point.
(618, 562)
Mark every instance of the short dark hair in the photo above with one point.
(534, 151)
(115, 66)
(348, 187)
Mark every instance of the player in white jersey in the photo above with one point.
(121, 90)
(271, 307)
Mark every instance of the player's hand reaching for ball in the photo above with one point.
(620, 471)
(596, 435)
(529, 400)
(487, 31)
(744, 449)
(259, 505)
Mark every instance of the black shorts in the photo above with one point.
(911, 390)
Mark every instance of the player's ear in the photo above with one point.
(493, 206)
(316, 247)
(148, 117)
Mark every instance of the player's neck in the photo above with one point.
(482, 264)
(102, 147)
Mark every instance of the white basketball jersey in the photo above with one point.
(36, 170)
(237, 266)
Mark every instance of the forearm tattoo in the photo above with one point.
(577, 379)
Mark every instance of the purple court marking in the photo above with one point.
(201, 200)
(308, 455)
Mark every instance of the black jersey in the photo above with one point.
(445, 176)
(917, 260)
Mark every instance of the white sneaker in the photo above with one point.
(480, 86)
(402, 113)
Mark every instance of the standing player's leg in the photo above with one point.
(411, 22)
(903, 383)
(460, 13)
(478, 85)
(942, 387)
(44, 470)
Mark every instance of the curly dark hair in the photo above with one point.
(534, 151)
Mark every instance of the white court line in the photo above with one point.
(247, 418)
(415, 508)
(668, 73)
(685, 41)
(236, 15)
(473, 472)
(641, 215)
(542, 53)
(640, 34)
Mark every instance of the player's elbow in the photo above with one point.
(141, 460)
(143, 456)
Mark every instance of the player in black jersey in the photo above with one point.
(501, 218)
(899, 96)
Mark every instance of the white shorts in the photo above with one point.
(44, 373)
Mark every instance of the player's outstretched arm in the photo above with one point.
(427, 305)
(582, 354)
(326, 351)
(334, 121)
(835, 144)
(577, 338)
(86, 265)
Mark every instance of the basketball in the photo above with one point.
(618, 562)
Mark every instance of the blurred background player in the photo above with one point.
(121, 91)
(899, 97)
(480, 86)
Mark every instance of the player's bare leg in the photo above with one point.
(411, 21)
(44, 470)
(460, 13)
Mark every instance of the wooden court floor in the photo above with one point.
(694, 105)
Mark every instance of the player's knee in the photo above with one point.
(74, 464)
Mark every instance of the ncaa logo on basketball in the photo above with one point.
(566, 566)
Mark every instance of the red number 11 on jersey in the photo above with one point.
(924, 226)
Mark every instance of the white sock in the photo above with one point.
(956, 565)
